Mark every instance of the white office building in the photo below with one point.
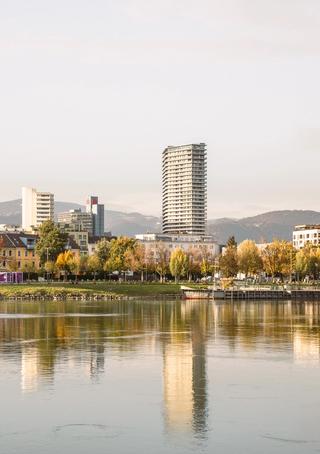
(37, 207)
(184, 189)
(304, 234)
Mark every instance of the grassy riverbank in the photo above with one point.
(88, 290)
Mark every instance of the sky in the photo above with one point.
(92, 91)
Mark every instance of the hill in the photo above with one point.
(116, 221)
(261, 228)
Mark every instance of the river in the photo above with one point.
(159, 377)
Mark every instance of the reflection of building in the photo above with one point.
(306, 348)
(177, 371)
(185, 384)
(37, 207)
(30, 369)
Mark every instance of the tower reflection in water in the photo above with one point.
(184, 371)
(45, 343)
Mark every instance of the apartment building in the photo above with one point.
(17, 252)
(304, 234)
(37, 207)
(184, 189)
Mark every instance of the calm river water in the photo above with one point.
(159, 377)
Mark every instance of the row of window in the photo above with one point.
(9, 254)
(4, 264)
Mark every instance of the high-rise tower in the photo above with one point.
(97, 211)
(184, 189)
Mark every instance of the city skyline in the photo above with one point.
(95, 93)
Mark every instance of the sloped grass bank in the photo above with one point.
(86, 291)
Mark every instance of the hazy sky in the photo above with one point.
(92, 91)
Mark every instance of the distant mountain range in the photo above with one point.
(261, 228)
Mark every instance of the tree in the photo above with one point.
(51, 242)
(65, 262)
(29, 268)
(50, 268)
(207, 261)
(13, 265)
(161, 260)
(117, 257)
(79, 265)
(279, 258)
(228, 261)
(232, 242)
(102, 250)
(178, 264)
(94, 265)
(308, 261)
(249, 258)
(135, 259)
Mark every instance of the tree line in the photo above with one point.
(278, 259)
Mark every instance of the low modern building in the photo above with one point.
(77, 220)
(308, 233)
(185, 242)
(37, 207)
(17, 252)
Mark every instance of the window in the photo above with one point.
(10, 253)
(19, 253)
(19, 264)
(26, 253)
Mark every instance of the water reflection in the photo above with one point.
(47, 339)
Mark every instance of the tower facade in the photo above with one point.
(37, 207)
(97, 210)
(184, 189)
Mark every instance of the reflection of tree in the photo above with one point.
(81, 335)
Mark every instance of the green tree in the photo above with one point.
(232, 242)
(51, 242)
(249, 258)
(228, 261)
(178, 264)
(118, 249)
(102, 250)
